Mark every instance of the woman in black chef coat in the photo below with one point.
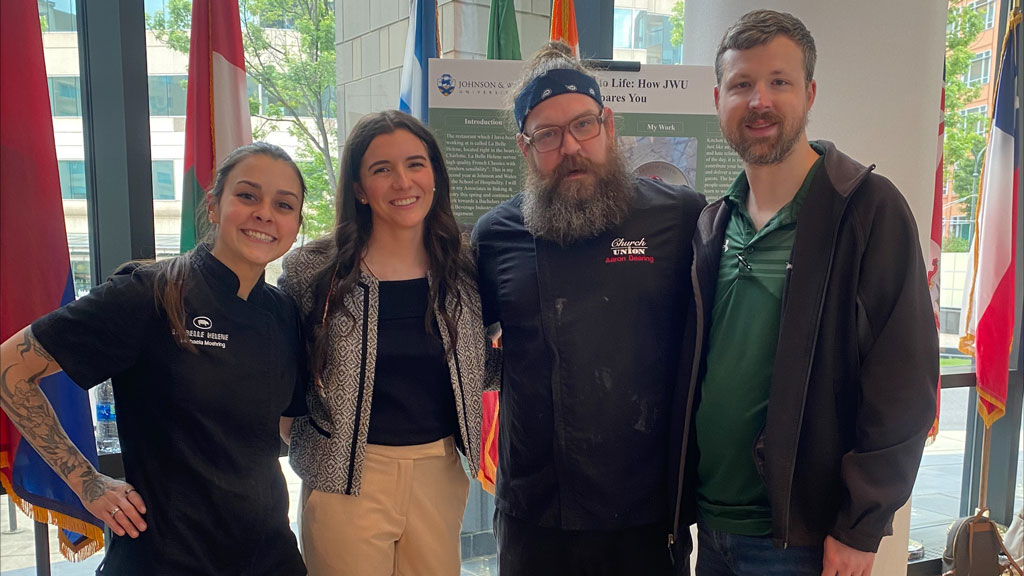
(206, 360)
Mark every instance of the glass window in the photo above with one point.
(622, 33)
(65, 96)
(981, 126)
(978, 72)
(657, 39)
(986, 9)
(639, 28)
(72, 179)
(167, 95)
(936, 495)
(163, 180)
(58, 15)
(156, 8)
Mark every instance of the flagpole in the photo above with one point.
(42, 534)
(986, 446)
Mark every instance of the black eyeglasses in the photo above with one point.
(582, 129)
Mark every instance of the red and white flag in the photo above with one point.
(217, 107)
(935, 245)
(989, 331)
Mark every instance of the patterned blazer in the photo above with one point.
(328, 445)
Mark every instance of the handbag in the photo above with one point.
(972, 548)
(973, 543)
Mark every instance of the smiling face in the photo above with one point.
(396, 180)
(257, 215)
(763, 100)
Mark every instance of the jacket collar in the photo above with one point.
(221, 278)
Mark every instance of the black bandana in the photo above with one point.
(554, 83)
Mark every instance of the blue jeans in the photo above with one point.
(724, 554)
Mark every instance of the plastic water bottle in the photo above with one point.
(107, 441)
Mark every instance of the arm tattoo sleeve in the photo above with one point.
(29, 344)
(30, 411)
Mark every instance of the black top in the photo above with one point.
(591, 336)
(413, 401)
(199, 431)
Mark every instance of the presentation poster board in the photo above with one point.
(665, 124)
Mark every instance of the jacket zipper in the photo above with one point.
(362, 387)
(814, 347)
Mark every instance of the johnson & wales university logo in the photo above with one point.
(446, 84)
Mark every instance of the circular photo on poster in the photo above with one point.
(663, 171)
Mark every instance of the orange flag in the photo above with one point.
(563, 25)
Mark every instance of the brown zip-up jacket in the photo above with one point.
(854, 381)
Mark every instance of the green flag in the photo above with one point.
(503, 33)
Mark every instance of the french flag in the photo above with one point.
(991, 305)
(420, 46)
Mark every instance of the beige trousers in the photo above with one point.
(405, 522)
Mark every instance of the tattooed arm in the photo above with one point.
(23, 363)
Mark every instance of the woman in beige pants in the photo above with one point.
(397, 354)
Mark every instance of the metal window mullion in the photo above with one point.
(115, 126)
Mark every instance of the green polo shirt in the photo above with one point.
(731, 497)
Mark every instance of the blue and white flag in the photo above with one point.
(420, 47)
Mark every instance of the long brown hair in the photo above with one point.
(172, 274)
(354, 223)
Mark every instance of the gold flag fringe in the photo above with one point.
(94, 534)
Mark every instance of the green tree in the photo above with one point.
(676, 19)
(963, 145)
(289, 54)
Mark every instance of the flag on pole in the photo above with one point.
(503, 32)
(502, 44)
(36, 276)
(217, 107)
(990, 311)
(563, 24)
(420, 46)
(935, 245)
(488, 474)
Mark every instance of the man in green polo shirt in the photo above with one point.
(814, 338)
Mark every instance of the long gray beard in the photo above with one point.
(568, 211)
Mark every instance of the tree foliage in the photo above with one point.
(963, 144)
(676, 19)
(289, 54)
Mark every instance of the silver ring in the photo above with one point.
(130, 490)
(115, 510)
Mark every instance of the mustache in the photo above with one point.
(768, 116)
(570, 164)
